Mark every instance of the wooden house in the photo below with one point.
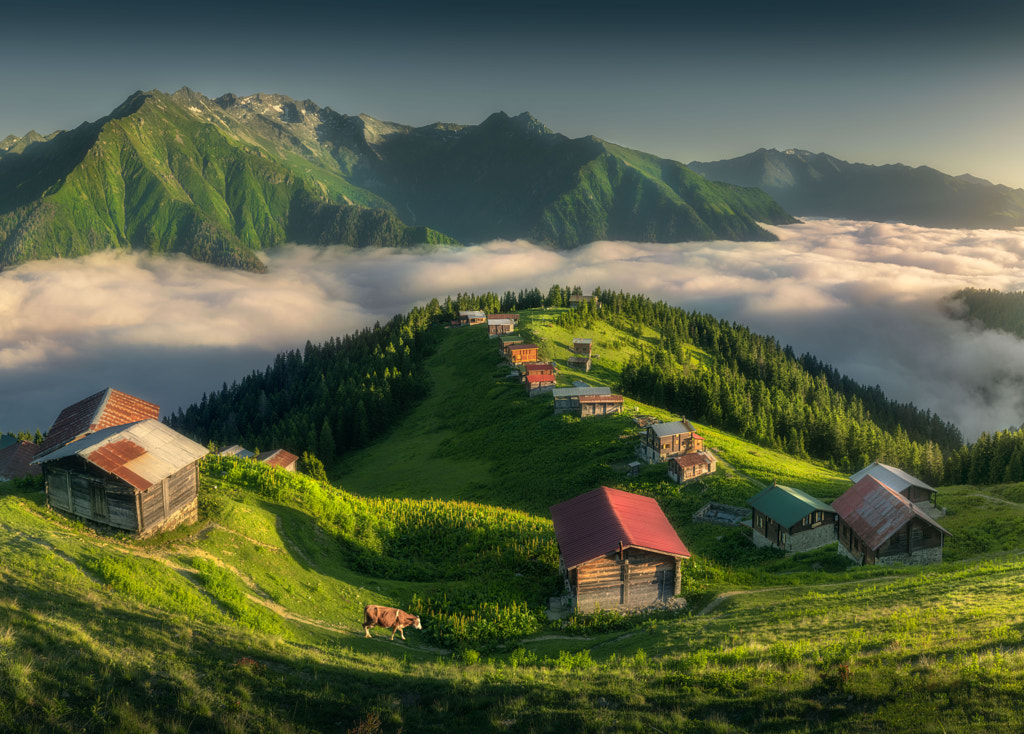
(141, 477)
(497, 327)
(280, 458)
(538, 368)
(662, 441)
(579, 362)
(471, 318)
(16, 460)
(591, 405)
(538, 384)
(105, 409)
(513, 317)
(522, 353)
(507, 341)
(878, 525)
(791, 520)
(584, 347)
(567, 399)
(691, 466)
(909, 486)
(575, 301)
(618, 550)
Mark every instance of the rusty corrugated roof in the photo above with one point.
(16, 460)
(141, 453)
(875, 512)
(600, 399)
(593, 524)
(105, 409)
(539, 367)
(694, 459)
(279, 458)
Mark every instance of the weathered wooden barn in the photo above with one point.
(618, 550)
(791, 520)
(878, 525)
(691, 466)
(909, 486)
(662, 441)
(142, 477)
(471, 318)
(591, 405)
(567, 399)
(497, 327)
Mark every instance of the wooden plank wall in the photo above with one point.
(641, 580)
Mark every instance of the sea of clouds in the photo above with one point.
(864, 297)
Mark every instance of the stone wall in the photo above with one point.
(917, 558)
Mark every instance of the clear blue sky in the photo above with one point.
(876, 82)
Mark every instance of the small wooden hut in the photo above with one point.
(618, 550)
(142, 477)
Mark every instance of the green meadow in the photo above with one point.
(250, 620)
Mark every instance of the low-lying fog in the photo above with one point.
(862, 296)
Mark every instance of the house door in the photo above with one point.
(99, 501)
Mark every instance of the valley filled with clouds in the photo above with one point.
(862, 296)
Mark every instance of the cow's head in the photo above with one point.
(416, 623)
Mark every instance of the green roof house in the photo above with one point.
(791, 520)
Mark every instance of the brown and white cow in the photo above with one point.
(390, 618)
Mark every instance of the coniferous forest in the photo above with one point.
(991, 309)
(341, 395)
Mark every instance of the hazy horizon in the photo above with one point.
(912, 82)
(862, 296)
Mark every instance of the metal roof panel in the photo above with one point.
(592, 525)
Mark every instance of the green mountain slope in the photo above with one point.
(153, 177)
(250, 619)
(220, 179)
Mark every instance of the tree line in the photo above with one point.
(761, 391)
(341, 395)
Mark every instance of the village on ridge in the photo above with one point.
(108, 460)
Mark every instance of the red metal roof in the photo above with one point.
(539, 367)
(593, 524)
(876, 512)
(105, 409)
(542, 379)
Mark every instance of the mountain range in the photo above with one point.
(819, 185)
(219, 179)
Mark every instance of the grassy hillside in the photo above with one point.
(250, 619)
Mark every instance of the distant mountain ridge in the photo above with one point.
(220, 179)
(820, 185)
